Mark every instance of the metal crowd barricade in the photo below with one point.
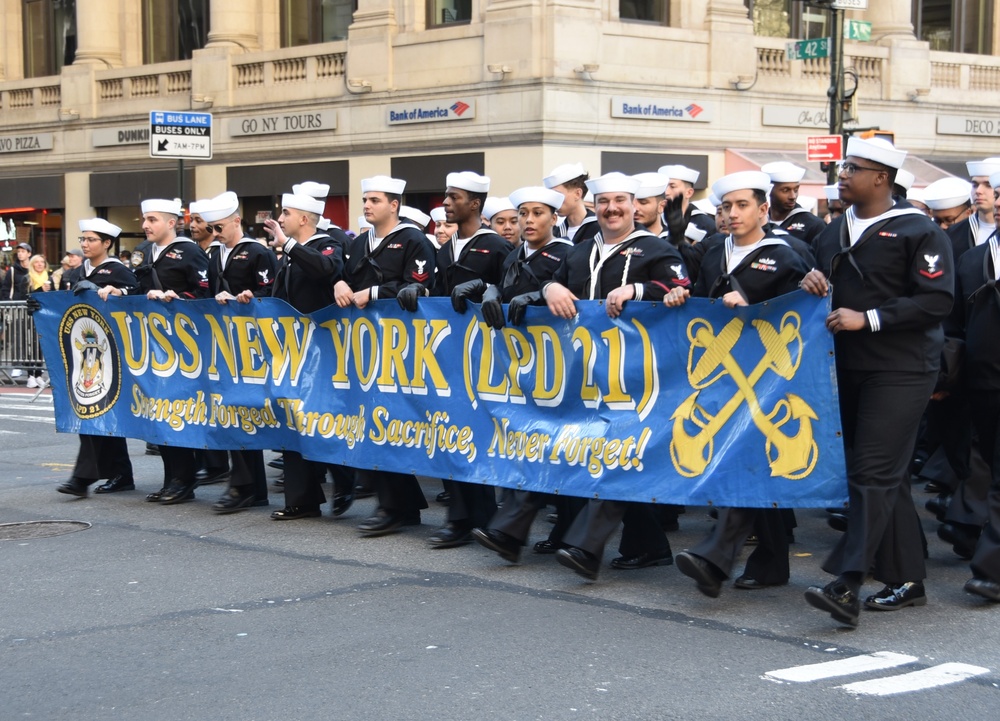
(19, 346)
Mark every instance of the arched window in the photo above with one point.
(49, 36)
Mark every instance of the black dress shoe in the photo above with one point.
(892, 599)
(444, 498)
(837, 521)
(278, 463)
(507, 546)
(233, 501)
(152, 449)
(546, 547)
(582, 562)
(938, 506)
(836, 599)
(962, 537)
(74, 487)
(643, 560)
(705, 574)
(450, 536)
(382, 523)
(361, 491)
(935, 487)
(293, 513)
(118, 483)
(177, 493)
(155, 496)
(983, 587)
(341, 502)
(552, 518)
(208, 476)
(747, 583)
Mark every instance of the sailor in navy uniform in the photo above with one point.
(241, 269)
(525, 270)
(393, 258)
(751, 266)
(974, 230)
(172, 268)
(891, 274)
(102, 456)
(501, 215)
(621, 263)
(213, 465)
(474, 252)
(312, 263)
(577, 224)
(786, 212)
(977, 319)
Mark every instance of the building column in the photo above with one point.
(888, 17)
(98, 33)
(234, 24)
(369, 46)
(732, 55)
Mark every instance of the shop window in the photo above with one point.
(173, 29)
(305, 22)
(448, 12)
(646, 11)
(960, 26)
(49, 36)
(788, 19)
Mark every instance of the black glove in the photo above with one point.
(83, 285)
(32, 304)
(515, 309)
(407, 296)
(673, 218)
(471, 290)
(492, 310)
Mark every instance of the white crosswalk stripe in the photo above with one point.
(20, 408)
(941, 675)
(927, 678)
(842, 667)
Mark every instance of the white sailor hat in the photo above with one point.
(705, 205)
(743, 180)
(983, 167)
(362, 223)
(995, 180)
(947, 193)
(589, 197)
(468, 181)
(417, 216)
(832, 192)
(161, 205)
(878, 150)
(313, 190)
(537, 194)
(651, 184)
(100, 225)
(808, 202)
(383, 184)
(324, 224)
(219, 207)
(613, 183)
(904, 179)
(494, 205)
(714, 200)
(303, 202)
(783, 172)
(197, 206)
(680, 172)
(438, 214)
(563, 174)
(917, 194)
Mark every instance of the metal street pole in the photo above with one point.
(836, 90)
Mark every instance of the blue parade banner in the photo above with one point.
(694, 405)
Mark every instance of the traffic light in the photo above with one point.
(884, 134)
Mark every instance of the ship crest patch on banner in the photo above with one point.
(90, 360)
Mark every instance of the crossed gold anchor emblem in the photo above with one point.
(789, 456)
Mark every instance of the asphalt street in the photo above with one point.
(175, 613)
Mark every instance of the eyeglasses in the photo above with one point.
(218, 228)
(87, 239)
(849, 169)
